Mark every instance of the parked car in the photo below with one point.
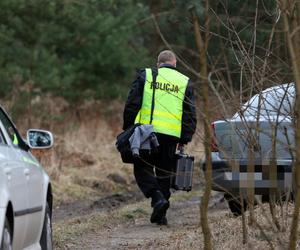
(25, 189)
(260, 134)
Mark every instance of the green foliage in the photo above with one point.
(83, 49)
(77, 49)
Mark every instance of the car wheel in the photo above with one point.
(294, 188)
(235, 204)
(6, 237)
(46, 237)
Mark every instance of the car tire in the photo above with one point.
(46, 237)
(6, 237)
(294, 188)
(234, 204)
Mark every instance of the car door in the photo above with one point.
(33, 176)
(16, 184)
(36, 197)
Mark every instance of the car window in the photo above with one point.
(2, 140)
(9, 128)
(12, 131)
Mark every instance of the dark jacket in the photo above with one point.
(135, 99)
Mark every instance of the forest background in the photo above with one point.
(91, 49)
(67, 66)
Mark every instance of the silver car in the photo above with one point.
(260, 135)
(25, 189)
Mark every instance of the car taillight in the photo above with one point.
(213, 143)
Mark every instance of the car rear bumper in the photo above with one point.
(234, 177)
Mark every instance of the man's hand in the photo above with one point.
(180, 147)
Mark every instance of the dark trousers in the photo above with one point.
(154, 171)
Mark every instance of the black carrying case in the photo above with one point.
(183, 173)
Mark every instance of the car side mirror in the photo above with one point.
(39, 139)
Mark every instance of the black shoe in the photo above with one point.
(160, 206)
(159, 210)
(163, 221)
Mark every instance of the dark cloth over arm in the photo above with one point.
(134, 99)
(189, 120)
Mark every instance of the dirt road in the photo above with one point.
(127, 226)
(138, 233)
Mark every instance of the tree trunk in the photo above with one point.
(291, 15)
(156, 42)
(202, 48)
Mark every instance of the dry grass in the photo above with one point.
(66, 232)
(227, 230)
(81, 166)
(129, 228)
(84, 156)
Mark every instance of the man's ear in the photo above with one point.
(175, 63)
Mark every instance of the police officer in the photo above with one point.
(173, 120)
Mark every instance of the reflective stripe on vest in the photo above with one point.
(169, 97)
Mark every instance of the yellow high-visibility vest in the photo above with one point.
(168, 103)
(15, 140)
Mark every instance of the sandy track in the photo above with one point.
(85, 207)
(141, 234)
(136, 231)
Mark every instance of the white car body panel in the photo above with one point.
(24, 184)
(35, 246)
(14, 181)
